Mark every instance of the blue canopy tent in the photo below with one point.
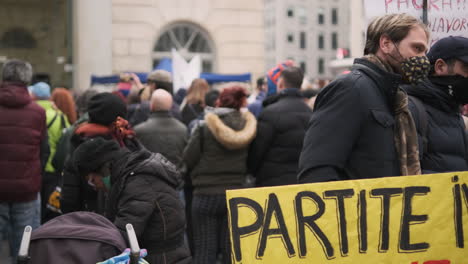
(166, 64)
(209, 77)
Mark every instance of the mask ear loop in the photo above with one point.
(398, 50)
(90, 183)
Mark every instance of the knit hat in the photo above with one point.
(104, 108)
(274, 74)
(40, 90)
(160, 75)
(92, 154)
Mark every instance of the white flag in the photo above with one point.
(184, 73)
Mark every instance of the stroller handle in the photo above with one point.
(23, 254)
(134, 247)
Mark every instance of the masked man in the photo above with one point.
(436, 107)
(361, 126)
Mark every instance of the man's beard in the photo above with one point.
(394, 62)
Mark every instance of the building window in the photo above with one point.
(334, 16)
(302, 14)
(321, 66)
(17, 38)
(188, 38)
(303, 66)
(290, 12)
(321, 16)
(334, 40)
(303, 40)
(290, 38)
(321, 41)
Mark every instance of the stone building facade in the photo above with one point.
(110, 36)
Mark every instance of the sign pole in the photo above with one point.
(425, 12)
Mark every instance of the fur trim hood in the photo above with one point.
(228, 137)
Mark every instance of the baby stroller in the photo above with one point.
(79, 237)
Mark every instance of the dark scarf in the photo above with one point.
(435, 95)
(405, 136)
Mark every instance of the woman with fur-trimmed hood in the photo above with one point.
(216, 159)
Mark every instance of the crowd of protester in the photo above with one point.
(162, 161)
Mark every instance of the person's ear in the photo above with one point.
(280, 83)
(441, 67)
(386, 44)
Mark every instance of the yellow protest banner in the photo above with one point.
(399, 220)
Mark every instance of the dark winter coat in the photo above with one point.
(351, 132)
(22, 131)
(76, 194)
(446, 148)
(216, 155)
(139, 113)
(144, 194)
(162, 133)
(274, 154)
(191, 112)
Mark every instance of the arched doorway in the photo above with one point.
(189, 40)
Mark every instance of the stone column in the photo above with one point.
(357, 28)
(92, 41)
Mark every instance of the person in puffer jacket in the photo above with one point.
(141, 189)
(216, 158)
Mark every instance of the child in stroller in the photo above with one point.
(79, 237)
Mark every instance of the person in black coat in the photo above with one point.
(361, 126)
(141, 189)
(435, 105)
(274, 154)
(106, 112)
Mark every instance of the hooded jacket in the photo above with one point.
(351, 131)
(22, 130)
(144, 194)
(274, 154)
(216, 155)
(77, 195)
(446, 149)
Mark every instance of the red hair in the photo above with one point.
(63, 99)
(232, 97)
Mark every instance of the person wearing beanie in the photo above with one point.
(274, 74)
(267, 87)
(435, 105)
(134, 183)
(158, 79)
(104, 108)
(56, 123)
(107, 113)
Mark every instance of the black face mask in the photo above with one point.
(457, 86)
